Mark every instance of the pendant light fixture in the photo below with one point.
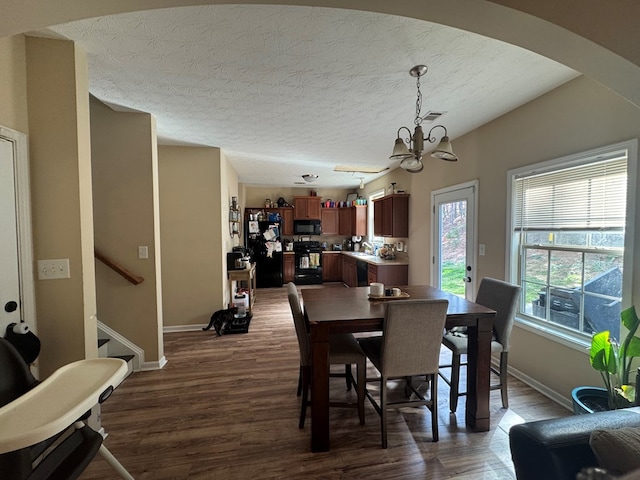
(310, 177)
(409, 151)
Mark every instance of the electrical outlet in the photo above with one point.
(53, 269)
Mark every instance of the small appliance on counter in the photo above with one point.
(234, 261)
(356, 239)
(337, 247)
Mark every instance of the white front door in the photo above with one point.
(17, 298)
(454, 239)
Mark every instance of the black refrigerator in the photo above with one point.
(264, 239)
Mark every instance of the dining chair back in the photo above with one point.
(304, 344)
(502, 297)
(409, 346)
(343, 350)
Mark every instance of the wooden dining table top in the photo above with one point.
(343, 305)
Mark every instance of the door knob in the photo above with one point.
(10, 306)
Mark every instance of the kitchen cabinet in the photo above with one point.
(306, 208)
(349, 271)
(330, 221)
(287, 220)
(331, 267)
(388, 274)
(353, 220)
(289, 267)
(391, 216)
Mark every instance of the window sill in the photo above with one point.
(576, 342)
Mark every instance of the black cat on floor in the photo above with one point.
(220, 319)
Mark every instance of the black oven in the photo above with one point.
(308, 258)
(307, 227)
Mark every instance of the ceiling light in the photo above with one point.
(310, 177)
(361, 183)
(409, 151)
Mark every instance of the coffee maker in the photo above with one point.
(238, 258)
(234, 261)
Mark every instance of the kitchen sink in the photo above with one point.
(362, 254)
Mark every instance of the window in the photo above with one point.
(372, 197)
(569, 249)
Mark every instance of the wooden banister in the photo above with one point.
(119, 269)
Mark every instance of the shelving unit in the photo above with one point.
(234, 217)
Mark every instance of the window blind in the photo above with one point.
(590, 196)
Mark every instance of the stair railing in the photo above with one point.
(119, 269)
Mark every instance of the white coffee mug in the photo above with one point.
(377, 289)
(396, 292)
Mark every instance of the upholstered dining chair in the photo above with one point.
(503, 298)
(343, 350)
(409, 346)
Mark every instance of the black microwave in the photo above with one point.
(307, 227)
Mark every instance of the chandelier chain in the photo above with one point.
(418, 119)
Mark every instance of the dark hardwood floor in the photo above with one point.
(226, 408)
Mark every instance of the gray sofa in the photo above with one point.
(558, 449)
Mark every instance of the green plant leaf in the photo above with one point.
(630, 320)
(628, 392)
(601, 354)
(633, 348)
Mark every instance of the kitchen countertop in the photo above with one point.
(375, 260)
(370, 259)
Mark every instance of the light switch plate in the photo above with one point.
(143, 252)
(481, 249)
(53, 269)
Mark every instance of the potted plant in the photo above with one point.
(613, 361)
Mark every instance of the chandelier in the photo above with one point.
(409, 151)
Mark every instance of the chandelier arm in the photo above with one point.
(409, 139)
(431, 139)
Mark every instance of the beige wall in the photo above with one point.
(125, 186)
(13, 82)
(578, 116)
(228, 188)
(59, 143)
(196, 185)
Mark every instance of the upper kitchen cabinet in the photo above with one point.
(287, 220)
(306, 208)
(391, 216)
(330, 221)
(353, 220)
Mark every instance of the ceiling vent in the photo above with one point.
(431, 116)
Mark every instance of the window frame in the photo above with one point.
(512, 261)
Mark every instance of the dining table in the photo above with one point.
(352, 310)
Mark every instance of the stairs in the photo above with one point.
(103, 352)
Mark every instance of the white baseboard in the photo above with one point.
(122, 346)
(146, 366)
(543, 389)
(182, 328)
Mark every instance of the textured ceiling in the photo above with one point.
(285, 91)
